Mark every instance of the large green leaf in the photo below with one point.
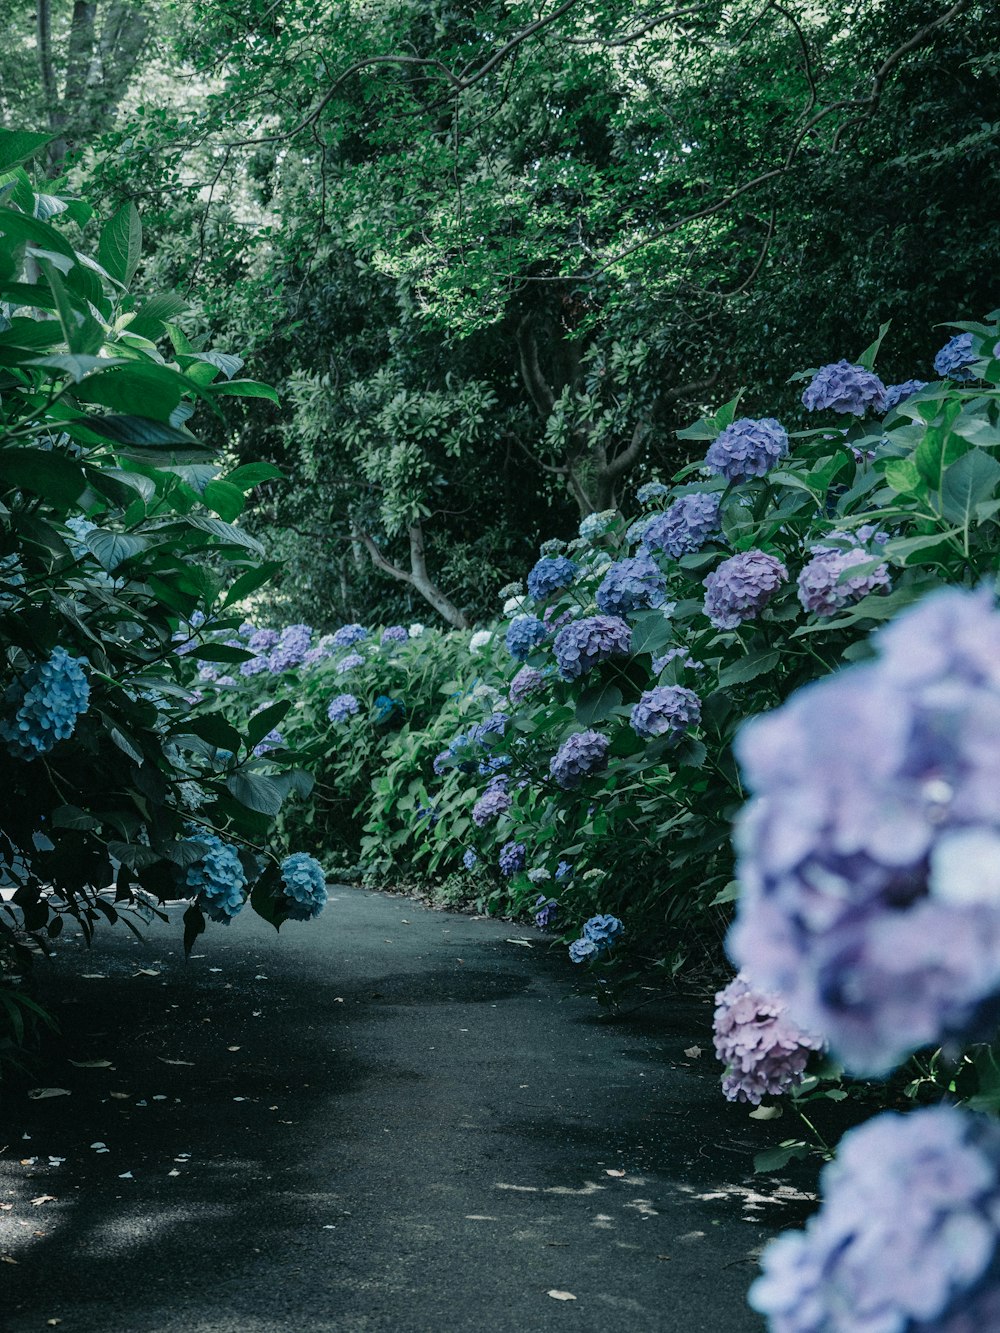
(597, 703)
(223, 499)
(120, 246)
(969, 481)
(113, 548)
(136, 388)
(17, 146)
(45, 473)
(749, 667)
(155, 314)
(261, 794)
(243, 389)
(251, 581)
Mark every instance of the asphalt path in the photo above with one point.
(391, 1118)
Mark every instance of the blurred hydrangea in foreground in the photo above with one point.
(49, 697)
(906, 1238)
(869, 856)
(762, 1049)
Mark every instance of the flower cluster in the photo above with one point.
(395, 634)
(580, 756)
(524, 634)
(341, 707)
(349, 662)
(528, 683)
(553, 573)
(491, 805)
(741, 587)
(217, 880)
(290, 649)
(823, 587)
(672, 655)
(582, 644)
(747, 448)
(469, 858)
(631, 585)
(650, 491)
(685, 526)
(304, 884)
(763, 1050)
(869, 857)
(596, 525)
(348, 634)
(480, 640)
(896, 393)
(906, 1238)
(385, 707)
(50, 696)
(600, 933)
(544, 910)
(512, 858)
(843, 387)
(665, 710)
(271, 741)
(955, 357)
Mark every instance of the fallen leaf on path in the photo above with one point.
(94, 976)
(610, 1172)
(6, 1207)
(6, 1259)
(164, 1059)
(44, 1198)
(663, 1256)
(561, 1295)
(120, 1096)
(37, 1094)
(146, 972)
(766, 1113)
(92, 1064)
(126, 1175)
(232, 1048)
(526, 945)
(174, 1172)
(693, 1052)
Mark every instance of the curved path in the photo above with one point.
(388, 1119)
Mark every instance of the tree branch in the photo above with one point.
(538, 388)
(417, 576)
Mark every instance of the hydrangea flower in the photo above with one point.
(603, 930)
(554, 546)
(415, 630)
(539, 875)
(304, 883)
(512, 857)
(479, 641)
(954, 358)
(395, 634)
(515, 589)
(544, 910)
(650, 491)
(553, 573)
(513, 606)
(822, 589)
(665, 710)
(217, 879)
(348, 663)
(491, 805)
(341, 707)
(262, 640)
(563, 870)
(291, 648)
(582, 644)
(672, 655)
(635, 531)
(271, 741)
(12, 576)
(741, 587)
(253, 666)
(896, 393)
(631, 584)
(524, 634)
(847, 388)
(747, 448)
(469, 859)
(528, 683)
(686, 526)
(50, 696)
(906, 1238)
(384, 707)
(869, 857)
(763, 1050)
(580, 756)
(596, 525)
(348, 634)
(582, 950)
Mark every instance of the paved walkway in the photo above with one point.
(388, 1119)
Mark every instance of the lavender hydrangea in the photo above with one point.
(665, 710)
(272, 741)
(869, 857)
(349, 663)
(650, 491)
(217, 879)
(843, 387)
(632, 584)
(686, 526)
(469, 859)
(763, 1050)
(673, 655)
(896, 393)
(553, 573)
(48, 699)
(955, 357)
(741, 587)
(290, 650)
(582, 644)
(493, 803)
(527, 684)
(512, 858)
(580, 756)
(395, 634)
(544, 910)
(304, 886)
(254, 666)
(747, 448)
(524, 634)
(342, 706)
(822, 588)
(906, 1238)
(348, 634)
(582, 950)
(564, 870)
(262, 640)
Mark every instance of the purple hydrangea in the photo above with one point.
(955, 356)
(896, 393)
(563, 870)
(632, 584)
(527, 684)
(672, 655)
(906, 1238)
(763, 1050)
(580, 756)
(254, 666)
(741, 587)
(271, 741)
(747, 448)
(582, 644)
(262, 640)
(512, 858)
(650, 491)
(553, 573)
(869, 857)
(304, 883)
(843, 387)
(491, 805)
(544, 910)
(349, 662)
(341, 707)
(524, 634)
(291, 648)
(348, 634)
(469, 859)
(666, 710)
(686, 526)
(823, 590)
(395, 634)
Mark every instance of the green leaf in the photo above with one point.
(903, 476)
(224, 499)
(265, 721)
(748, 668)
(136, 388)
(17, 146)
(112, 549)
(252, 474)
(729, 894)
(213, 728)
(651, 632)
(970, 481)
(596, 704)
(243, 389)
(251, 581)
(258, 793)
(937, 450)
(46, 473)
(155, 314)
(773, 1159)
(225, 532)
(83, 334)
(220, 652)
(120, 246)
(867, 357)
(141, 431)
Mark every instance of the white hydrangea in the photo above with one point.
(415, 631)
(479, 641)
(513, 606)
(539, 876)
(594, 874)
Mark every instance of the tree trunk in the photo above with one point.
(416, 576)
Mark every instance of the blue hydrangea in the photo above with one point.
(395, 634)
(553, 573)
(246, 629)
(470, 859)
(290, 650)
(262, 640)
(582, 950)
(632, 584)
(348, 634)
(271, 741)
(747, 448)
(563, 870)
(686, 526)
(384, 708)
(597, 525)
(50, 696)
(11, 576)
(554, 546)
(661, 663)
(824, 590)
(513, 856)
(666, 710)
(544, 910)
(494, 764)
(603, 930)
(740, 588)
(349, 663)
(217, 879)
(954, 358)
(254, 666)
(304, 883)
(896, 393)
(495, 725)
(650, 491)
(341, 707)
(582, 644)
(491, 805)
(527, 684)
(580, 756)
(524, 634)
(843, 387)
